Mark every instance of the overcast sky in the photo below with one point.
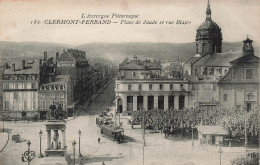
(237, 18)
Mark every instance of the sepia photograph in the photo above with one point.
(129, 82)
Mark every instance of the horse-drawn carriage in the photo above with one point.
(16, 138)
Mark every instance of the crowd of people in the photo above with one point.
(182, 121)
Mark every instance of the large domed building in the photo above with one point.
(209, 65)
(209, 36)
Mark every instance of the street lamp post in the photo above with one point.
(220, 153)
(79, 143)
(29, 143)
(40, 134)
(192, 128)
(74, 146)
(3, 122)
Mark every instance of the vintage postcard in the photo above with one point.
(129, 82)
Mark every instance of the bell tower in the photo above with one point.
(248, 47)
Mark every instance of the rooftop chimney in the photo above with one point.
(45, 56)
(40, 62)
(57, 55)
(23, 64)
(6, 65)
(13, 67)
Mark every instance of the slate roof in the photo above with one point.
(221, 59)
(30, 68)
(192, 59)
(131, 66)
(216, 59)
(246, 59)
(152, 65)
(72, 55)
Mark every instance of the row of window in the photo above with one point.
(19, 95)
(249, 97)
(17, 105)
(211, 71)
(27, 95)
(52, 87)
(25, 85)
(52, 102)
(151, 86)
(20, 77)
(65, 64)
(53, 95)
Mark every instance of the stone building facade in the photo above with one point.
(73, 62)
(20, 89)
(139, 86)
(57, 92)
(240, 87)
(206, 68)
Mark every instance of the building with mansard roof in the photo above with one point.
(141, 86)
(20, 89)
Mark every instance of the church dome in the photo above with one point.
(208, 24)
(209, 35)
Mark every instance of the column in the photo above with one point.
(48, 139)
(56, 135)
(124, 100)
(176, 102)
(63, 144)
(166, 102)
(186, 101)
(117, 104)
(135, 103)
(145, 103)
(155, 101)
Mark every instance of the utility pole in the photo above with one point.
(245, 133)
(143, 133)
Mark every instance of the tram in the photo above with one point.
(113, 132)
(103, 120)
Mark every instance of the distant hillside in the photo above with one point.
(113, 51)
(29, 49)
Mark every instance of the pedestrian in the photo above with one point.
(22, 158)
(98, 140)
(103, 163)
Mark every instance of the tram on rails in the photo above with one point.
(113, 132)
(103, 120)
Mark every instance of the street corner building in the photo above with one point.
(210, 78)
(33, 88)
(20, 89)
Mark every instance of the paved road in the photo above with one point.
(158, 150)
(102, 101)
